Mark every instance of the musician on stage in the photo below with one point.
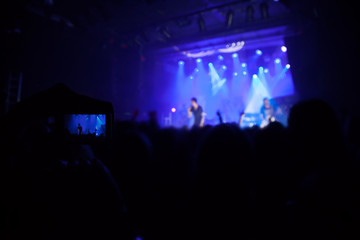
(268, 112)
(197, 110)
(79, 129)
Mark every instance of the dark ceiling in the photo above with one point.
(150, 24)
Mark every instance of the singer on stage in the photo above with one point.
(197, 110)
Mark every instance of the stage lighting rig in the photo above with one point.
(201, 23)
(229, 18)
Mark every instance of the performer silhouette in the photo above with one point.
(197, 110)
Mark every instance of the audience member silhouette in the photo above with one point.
(216, 182)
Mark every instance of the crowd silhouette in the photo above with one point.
(216, 182)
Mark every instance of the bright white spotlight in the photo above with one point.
(234, 55)
(243, 65)
(223, 67)
(277, 60)
(255, 76)
(196, 70)
(258, 52)
(181, 62)
(173, 109)
(266, 70)
(261, 69)
(198, 60)
(283, 49)
(220, 57)
(191, 77)
(287, 66)
(235, 73)
(244, 72)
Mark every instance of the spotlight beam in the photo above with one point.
(216, 81)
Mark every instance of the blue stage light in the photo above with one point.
(261, 69)
(258, 52)
(266, 70)
(283, 49)
(235, 73)
(255, 76)
(181, 62)
(243, 65)
(244, 73)
(191, 77)
(220, 57)
(223, 67)
(196, 70)
(234, 55)
(198, 60)
(277, 60)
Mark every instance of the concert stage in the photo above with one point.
(231, 74)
